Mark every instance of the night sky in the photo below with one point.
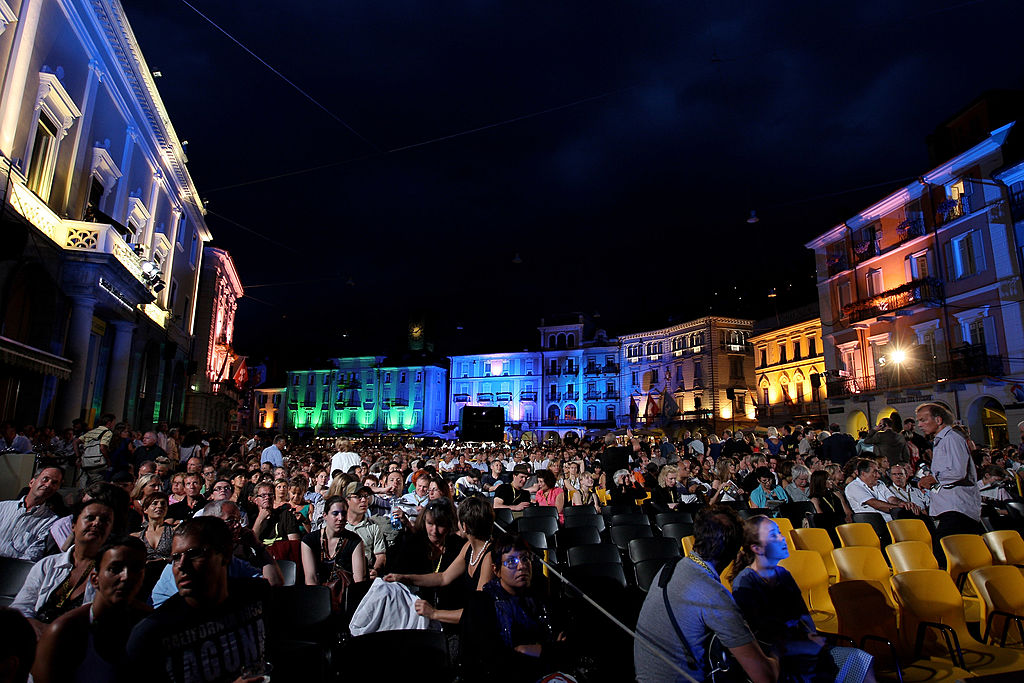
(651, 130)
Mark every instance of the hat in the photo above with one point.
(521, 468)
(355, 488)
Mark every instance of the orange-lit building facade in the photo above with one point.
(920, 299)
(789, 363)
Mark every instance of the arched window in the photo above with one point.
(553, 413)
(591, 413)
(560, 342)
(571, 341)
(570, 412)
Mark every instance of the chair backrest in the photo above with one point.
(593, 553)
(688, 542)
(547, 525)
(864, 609)
(931, 595)
(304, 608)
(864, 564)
(877, 522)
(643, 549)
(13, 573)
(1016, 510)
(663, 518)
(858, 534)
(908, 555)
(623, 534)
(1001, 588)
(596, 521)
(820, 542)
(1006, 546)
(909, 530)
(810, 575)
(503, 516)
(538, 540)
(677, 530)
(964, 552)
(581, 535)
(288, 571)
(646, 570)
(579, 511)
(786, 529)
(747, 513)
(602, 571)
(629, 518)
(541, 511)
(426, 647)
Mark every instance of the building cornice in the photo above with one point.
(698, 324)
(223, 260)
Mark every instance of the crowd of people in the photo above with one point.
(153, 553)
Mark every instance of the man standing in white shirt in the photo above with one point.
(956, 503)
(867, 494)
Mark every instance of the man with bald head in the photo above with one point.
(149, 450)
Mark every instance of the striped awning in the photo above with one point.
(24, 356)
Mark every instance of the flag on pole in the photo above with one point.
(669, 407)
(652, 410)
(241, 373)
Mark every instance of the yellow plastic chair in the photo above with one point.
(819, 541)
(785, 528)
(932, 605)
(964, 552)
(1007, 547)
(909, 530)
(809, 573)
(726, 577)
(688, 545)
(907, 555)
(863, 564)
(1001, 590)
(858, 534)
(866, 616)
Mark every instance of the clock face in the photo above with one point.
(417, 330)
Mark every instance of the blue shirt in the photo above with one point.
(759, 497)
(166, 587)
(272, 454)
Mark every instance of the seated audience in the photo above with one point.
(25, 523)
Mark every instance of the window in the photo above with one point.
(764, 396)
(654, 376)
(968, 254)
(387, 378)
(182, 232)
(679, 373)
(194, 249)
(634, 378)
(44, 157)
(419, 376)
(529, 366)
(402, 377)
(735, 367)
(172, 296)
(504, 367)
(295, 380)
(976, 332)
(796, 349)
(875, 283)
(799, 391)
(309, 379)
(812, 346)
(327, 379)
(57, 113)
(917, 265)
(782, 352)
(487, 369)
(277, 400)
(609, 413)
(764, 357)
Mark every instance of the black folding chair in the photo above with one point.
(593, 553)
(540, 511)
(647, 570)
(621, 535)
(596, 521)
(645, 549)
(629, 518)
(13, 573)
(747, 513)
(877, 523)
(538, 540)
(663, 518)
(595, 574)
(579, 511)
(677, 530)
(547, 525)
(362, 655)
(503, 516)
(569, 538)
(288, 571)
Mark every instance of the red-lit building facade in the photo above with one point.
(920, 298)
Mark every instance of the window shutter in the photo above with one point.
(979, 251)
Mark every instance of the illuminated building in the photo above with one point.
(213, 396)
(697, 373)
(508, 380)
(580, 389)
(368, 393)
(268, 412)
(101, 222)
(789, 365)
(920, 297)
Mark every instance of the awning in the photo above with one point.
(23, 356)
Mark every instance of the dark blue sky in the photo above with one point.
(631, 202)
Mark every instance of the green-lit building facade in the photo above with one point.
(368, 393)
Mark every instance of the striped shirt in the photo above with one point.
(23, 532)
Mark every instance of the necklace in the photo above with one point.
(696, 559)
(483, 549)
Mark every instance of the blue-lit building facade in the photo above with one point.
(367, 393)
(511, 381)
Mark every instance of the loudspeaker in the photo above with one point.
(815, 380)
(730, 394)
(481, 423)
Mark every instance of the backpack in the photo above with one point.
(92, 454)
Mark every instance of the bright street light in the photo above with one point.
(899, 356)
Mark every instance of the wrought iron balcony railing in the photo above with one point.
(924, 291)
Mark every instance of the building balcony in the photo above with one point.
(909, 229)
(571, 396)
(611, 368)
(528, 396)
(744, 348)
(592, 396)
(588, 424)
(461, 398)
(927, 291)
(486, 397)
(837, 264)
(552, 396)
(611, 395)
(292, 405)
(396, 402)
(553, 370)
(966, 363)
(571, 370)
(865, 250)
(504, 396)
(341, 405)
(592, 370)
(952, 209)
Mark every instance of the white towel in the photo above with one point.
(386, 607)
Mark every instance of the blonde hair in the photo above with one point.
(141, 483)
(665, 471)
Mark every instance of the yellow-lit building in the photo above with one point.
(789, 364)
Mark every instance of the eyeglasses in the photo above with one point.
(222, 488)
(190, 555)
(262, 495)
(233, 521)
(514, 562)
(360, 496)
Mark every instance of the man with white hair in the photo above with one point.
(344, 459)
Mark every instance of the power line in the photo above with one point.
(282, 76)
(253, 232)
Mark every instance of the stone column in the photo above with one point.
(120, 357)
(70, 406)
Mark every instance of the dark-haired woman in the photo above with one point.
(773, 607)
(333, 555)
(825, 499)
(550, 494)
(472, 568)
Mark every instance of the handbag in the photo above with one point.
(339, 578)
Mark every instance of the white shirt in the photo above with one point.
(344, 461)
(23, 532)
(910, 493)
(43, 578)
(858, 493)
(951, 461)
